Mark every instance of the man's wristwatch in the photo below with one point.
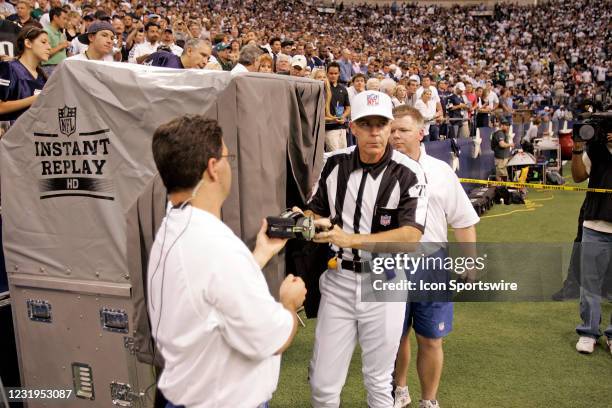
(577, 151)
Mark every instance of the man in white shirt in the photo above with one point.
(140, 52)
(427, 84)
(6, 8)
(167, 39)
(248, 60)
(99, 40)
(447, 204)
(214, 321)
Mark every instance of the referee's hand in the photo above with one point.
(335, 236)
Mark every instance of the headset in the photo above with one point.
(180, 207)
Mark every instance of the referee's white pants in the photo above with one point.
(342, 321)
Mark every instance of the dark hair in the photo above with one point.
(333, 64)
(28, 32)
(358, 75)
(55, 12)
(151, 24)
(182, 149)
(275, 39)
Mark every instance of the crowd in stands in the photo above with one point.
(456, 65)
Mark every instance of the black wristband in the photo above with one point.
(577, 151)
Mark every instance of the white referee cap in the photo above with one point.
(371, 103)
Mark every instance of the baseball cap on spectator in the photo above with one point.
(221, 46)
(94, 28)
(150, 16)
(371, 103)
(286, 43)
(299, 61)
(504, 121)
(460, 85)
(415, 77)
(89, 17)
(101, 15)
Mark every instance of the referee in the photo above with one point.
(366, 194)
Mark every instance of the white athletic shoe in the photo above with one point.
(402, 397)
(585, 345)
(429, 404)
(609, 343)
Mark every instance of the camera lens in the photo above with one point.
(587, 132)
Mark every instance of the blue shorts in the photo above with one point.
(429, 319)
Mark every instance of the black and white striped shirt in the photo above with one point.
(370, 198)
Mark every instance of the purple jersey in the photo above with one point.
(165, 59)
(16, 83)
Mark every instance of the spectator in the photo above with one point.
(195, 55)
(73, 25)
(283, 64)
(213, 66)
(501, 146)
(507, 105)
(411, 89)
(358, 84)
(265, 63)
(167, 39)
(223, 58)
(482, 108)
(7, 9)
(22, 15)
(457, 113)
(21, 80)
(311, 59)
(373, 84)
(340, 109)
(318, 74)
(9, 32)
(400, 94)
(248, 60)
(388, 86)
(275, 50)
(140, 52)
(298, 66)
(346, 67)
(57, 40)
(426, 105)
(99, 39)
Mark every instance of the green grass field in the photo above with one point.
(499, 354)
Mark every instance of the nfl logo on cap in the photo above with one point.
(371, 103)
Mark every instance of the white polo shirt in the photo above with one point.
(434, 93)
(212, 316)
(448, 203)
(144, 48)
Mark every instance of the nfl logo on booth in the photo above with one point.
(67, 120)
(372, 100)
(385, 220)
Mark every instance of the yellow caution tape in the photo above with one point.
(534, 186)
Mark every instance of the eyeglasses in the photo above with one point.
(230, 157)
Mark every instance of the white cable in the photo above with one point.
(3, 393)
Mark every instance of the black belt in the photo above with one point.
(356, 266)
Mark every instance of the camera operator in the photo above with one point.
(593, 160)
(214, 321)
